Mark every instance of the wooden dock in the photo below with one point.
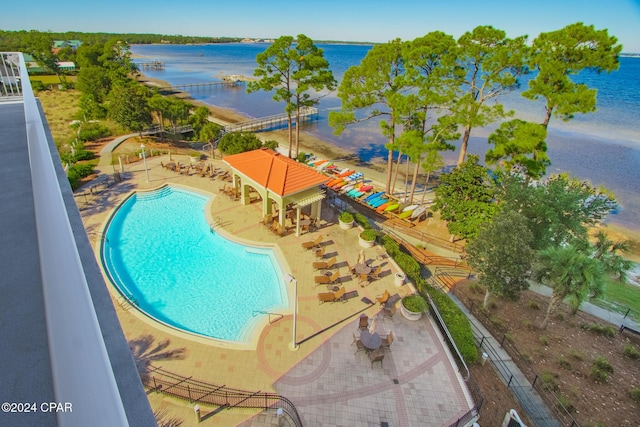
(153, 65)
(201, 86)
(276, 121)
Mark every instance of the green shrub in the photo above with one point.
(600, 369)
(362, 220)
(528, 325)
(475, 288)
(369, 235)
(37, 85)
(544, 340)
(270, 144)
(564, 363)
(345, 216)
(631, 352)
(635, 394)
(91, 131)
(77, 172)
(564, 402)
(415, 303)
(456, 321)
(549, 379)
(606, 330)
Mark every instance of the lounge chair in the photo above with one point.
(320, 252)
(324, 265)
(387, 340)
(339, 294)
(384, 297)
(331, 296)
(309, 245)
(326, 280)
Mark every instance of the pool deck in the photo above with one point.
(417, 384)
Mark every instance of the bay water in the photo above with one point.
(602, 147)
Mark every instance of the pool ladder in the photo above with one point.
(277, 315)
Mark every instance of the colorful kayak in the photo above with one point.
(339, 185)
(346, 188)
(347, 173)
(409, 208)
(333, 182)
(405, 214)
(377, 201)
(373, 196)
(353, 191)
(382, 207)
(324, 166)
(419, 211)
(366, 188)
(318, 163)
(392, 207)
(341, 171)
(357, 194)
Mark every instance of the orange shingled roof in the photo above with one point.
(274, 171)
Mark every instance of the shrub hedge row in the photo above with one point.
(454, 318)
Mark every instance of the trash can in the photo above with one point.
(485, 357)
(399, 279)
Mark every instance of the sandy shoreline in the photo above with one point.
(375, 172)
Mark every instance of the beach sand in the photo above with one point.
(374, 171)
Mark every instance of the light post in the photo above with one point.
(144, 159)
(290, 279)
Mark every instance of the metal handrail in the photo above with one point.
(194, 390)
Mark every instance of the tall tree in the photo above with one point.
(374, 89)
(291, 68)
(570, 272)
(560, 54)
(518, 143)
(489, 66)
(128, 107)
(502, 255)
(559, 209)
(465, 199)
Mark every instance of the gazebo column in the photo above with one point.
(297, 221)
(281, 215)
(245, 194)
(266, 206)
(316, 209)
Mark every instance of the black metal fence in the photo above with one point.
(196, 391)
(548, 395)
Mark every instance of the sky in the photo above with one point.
(338, 20)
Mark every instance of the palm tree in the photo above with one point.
(570, 272)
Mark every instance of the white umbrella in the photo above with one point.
(361, 258)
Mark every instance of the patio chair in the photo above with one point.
(382, 299)
(309, 245)
(324, 265)
(352, 269)
(387, 340)
(326, 280)
(325, 297)
(376, 273)
(363, 280)
(389, 311)
(358, 344)
(376, 356)
(364, 322)
(339, 295)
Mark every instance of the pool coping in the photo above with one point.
(252, 330)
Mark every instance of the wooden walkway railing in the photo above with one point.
(271, 122)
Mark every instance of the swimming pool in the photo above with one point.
(161, 253)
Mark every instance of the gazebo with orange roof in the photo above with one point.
(279, 179)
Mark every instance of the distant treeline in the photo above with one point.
(18, 40)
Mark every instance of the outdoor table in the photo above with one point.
(362, 269)
(371, 341)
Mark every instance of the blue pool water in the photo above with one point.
(161, 253)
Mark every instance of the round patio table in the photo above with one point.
(362, 269)
(371, 341)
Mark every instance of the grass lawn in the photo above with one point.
(60, 107)
(51, 79)
(620, 297)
